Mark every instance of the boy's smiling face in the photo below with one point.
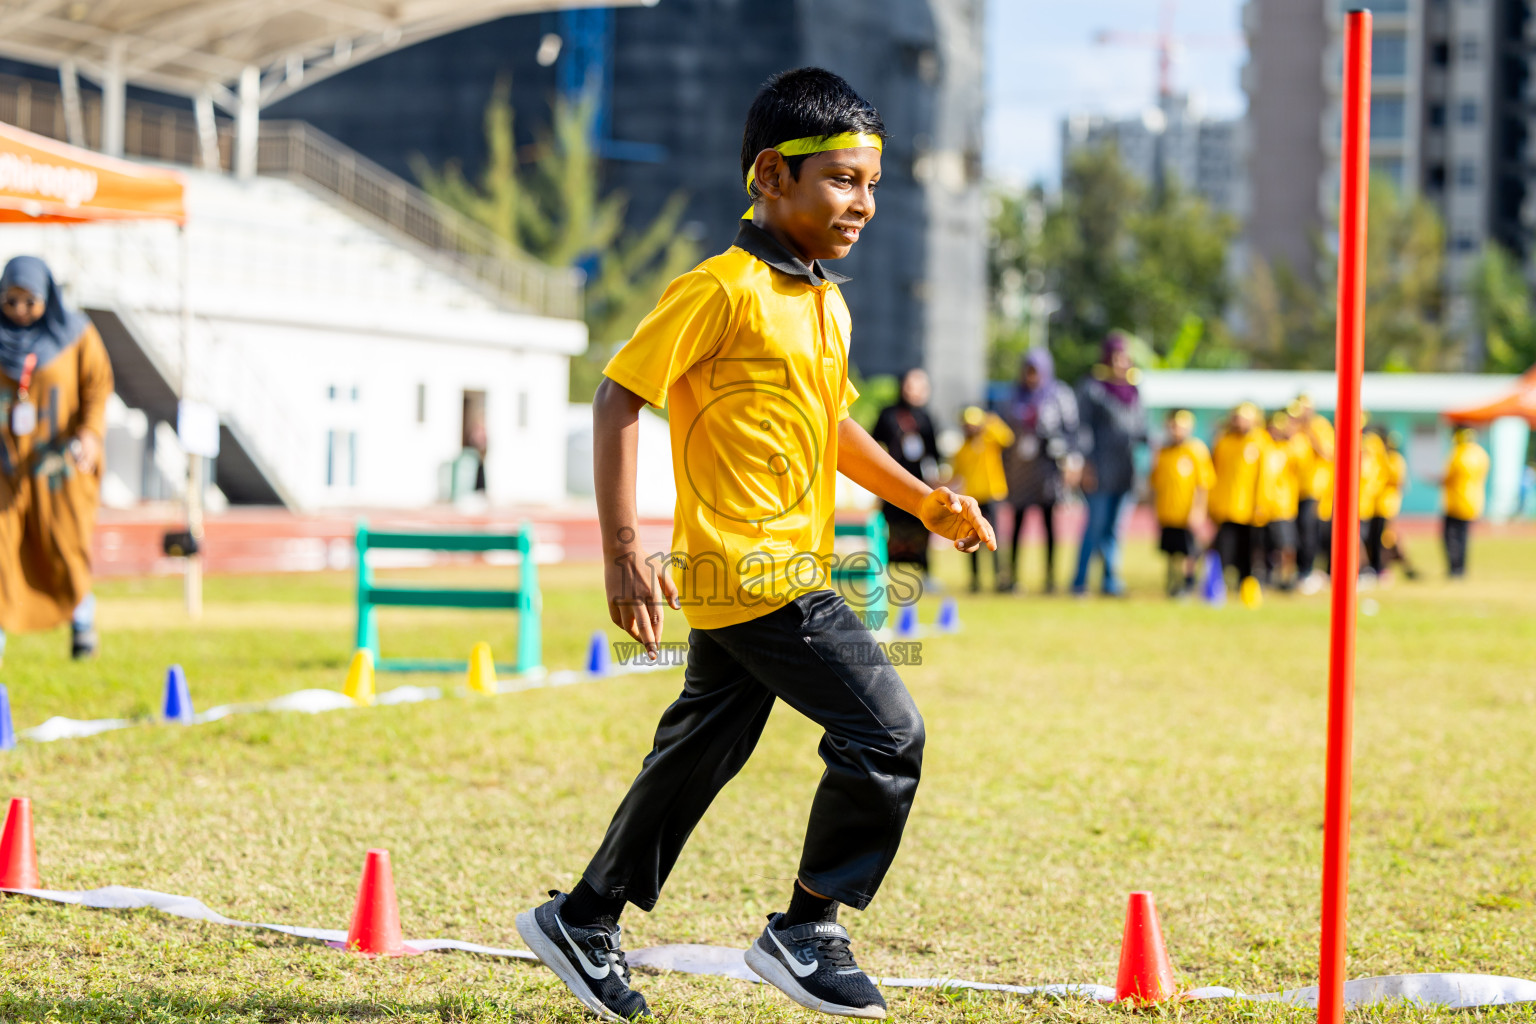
(819, 213)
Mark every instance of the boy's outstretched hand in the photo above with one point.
(958, 517)
(636, 594)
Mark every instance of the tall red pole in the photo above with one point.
(1355, 156)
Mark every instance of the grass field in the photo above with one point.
(1077, 750)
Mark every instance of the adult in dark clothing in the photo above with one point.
(1043, 461)
(905, 431)
(1113, 424)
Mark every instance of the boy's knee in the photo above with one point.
(910, 736)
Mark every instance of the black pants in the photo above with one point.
(1048, 525)
(1325, 543)
(989, 513)
(1307, 536)
(1374, 535)
(819, 658)
(1234, 544)
(1454, 532)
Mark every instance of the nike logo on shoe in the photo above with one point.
(586, 965)
(801, 970)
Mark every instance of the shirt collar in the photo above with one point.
(755, 241)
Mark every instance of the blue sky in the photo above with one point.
(1042, 63)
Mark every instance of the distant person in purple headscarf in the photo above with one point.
(1113, 424)
(1043, 461)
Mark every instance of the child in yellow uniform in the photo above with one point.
(1466, 477)
(977, 470)
(748, 352)
(1373, 479)
(1236, 457)
(1182, 476)
(1279, 492)
(1314, 508)
(1383, 542)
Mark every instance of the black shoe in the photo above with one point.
(812, 965)
(589, 960)
(82, 644)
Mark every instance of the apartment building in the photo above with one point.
(1451, 119)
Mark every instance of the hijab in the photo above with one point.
(1026, 401)
(56, 330)
(1125, 391)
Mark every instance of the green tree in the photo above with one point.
(552, 209)
(1501, 299)
(1115, 256)
(1291, 314)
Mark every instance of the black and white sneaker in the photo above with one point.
(811, 963)
(589, 960)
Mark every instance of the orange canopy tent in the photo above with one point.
(1520, 403)
(43, 180)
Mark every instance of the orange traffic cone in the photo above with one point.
(18, 855)
(375, 927)
(1146, 975)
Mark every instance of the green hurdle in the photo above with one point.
(865, 571)
(525, 600)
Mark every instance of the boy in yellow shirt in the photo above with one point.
(749, 353)
(1182, 477)
(1314, 508)
(1373, 480)
(1465, 492)
(1383, 543)
(1275, 507)
(977, 470)
(1236, 457)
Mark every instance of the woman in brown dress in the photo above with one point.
(54, 383)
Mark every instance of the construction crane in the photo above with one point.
(1164, 41)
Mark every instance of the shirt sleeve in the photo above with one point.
(692, 318)
(850, 395)
(1207, 468)
(1002, 434)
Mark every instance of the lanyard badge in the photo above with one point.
(24, 413)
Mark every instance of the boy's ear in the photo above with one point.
(767, 173)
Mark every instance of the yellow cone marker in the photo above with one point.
(360, 678)
(482, 669)
(1251, 593)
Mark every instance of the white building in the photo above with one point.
(352, 336)
(343, 363)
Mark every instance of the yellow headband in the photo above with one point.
(818, 144)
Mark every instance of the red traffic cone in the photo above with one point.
(1146, 974)
(375, 927)
(18, 855)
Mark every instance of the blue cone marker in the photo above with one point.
(178, 699)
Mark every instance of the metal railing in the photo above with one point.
(300, 152)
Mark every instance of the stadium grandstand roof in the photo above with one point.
(204, 47)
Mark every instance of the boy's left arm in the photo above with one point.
(956, 516)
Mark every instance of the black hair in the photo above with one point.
(799, 104)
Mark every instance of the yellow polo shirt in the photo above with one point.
(978, 464)
(1466, 477)
(1320, 487)
(1179, 472)
(1389, 502)
(749, 353)
(1373, 472)
(1278, 486)
(1236, 458)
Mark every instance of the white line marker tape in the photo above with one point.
(314, 702)
(1457, 991)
